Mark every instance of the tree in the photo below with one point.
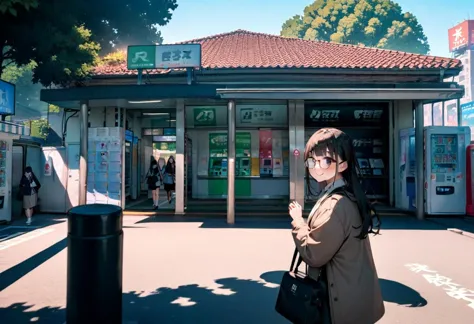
(373, 23)
(28, 103)
(64, 37)
(10, 6)
(61, 51)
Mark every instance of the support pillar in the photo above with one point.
(231, 162)
(84, 135)
(419, 156)
(443, 113)
(180, 157)
(459, 111)
(297, 142)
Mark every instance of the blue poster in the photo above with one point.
(7, 98)
(467, 116)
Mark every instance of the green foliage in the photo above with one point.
(373, 23)
(114, 58)
(53, 109)
(39, 127)
(64, 37)
(10, 6)
(28, 103)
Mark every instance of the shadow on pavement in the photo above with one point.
(13, 274)
(392, 291)
(236, 301)
(283, 222)
(220, 221)
(398, 293)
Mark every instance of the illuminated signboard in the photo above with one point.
(7, 98)
(461, 36)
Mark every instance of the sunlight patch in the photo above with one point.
(223, 291)
(183, 301)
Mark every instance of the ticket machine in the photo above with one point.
(243, 167)
(266, 167)
(218, 167)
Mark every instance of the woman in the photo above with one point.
(154, 180)
(169, 178)
(29, 186)
(334, 240)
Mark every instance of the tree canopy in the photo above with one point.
(63, 39)
(373, 23)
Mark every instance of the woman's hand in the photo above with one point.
(295, 210)
(296, 213)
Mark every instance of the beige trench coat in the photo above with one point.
(354, 290)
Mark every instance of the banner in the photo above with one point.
(243, 144)
(345, 114)
(265, 146)
(218, 144)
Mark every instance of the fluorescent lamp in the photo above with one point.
(155, 114)
(171, 120)
(144, 101)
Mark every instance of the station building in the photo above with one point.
(235, 110)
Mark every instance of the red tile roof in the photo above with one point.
(244, 49)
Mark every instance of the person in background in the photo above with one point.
(154, 180)
(169, 177)
(29, 186)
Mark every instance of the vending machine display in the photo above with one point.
(445, 169)
(243, 167)
(266, 167)
(218, 167)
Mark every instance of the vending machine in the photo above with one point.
(6, 147)
(445, 169)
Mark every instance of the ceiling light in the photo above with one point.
(144, 101)
(171, 120)
(155, 114)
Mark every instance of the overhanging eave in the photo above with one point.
(343, 93)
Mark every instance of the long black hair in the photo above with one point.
(169, 167)
(339, 145)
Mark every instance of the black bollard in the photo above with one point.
(94, 265)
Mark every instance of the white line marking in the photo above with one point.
(452, 289)
(8, 237)
(24, 238)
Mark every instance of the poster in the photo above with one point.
(218, 145)
(243, 144)
(265, 144)
(3, 163)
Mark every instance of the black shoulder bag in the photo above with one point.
(301, 298)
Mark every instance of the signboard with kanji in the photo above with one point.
(164, 56)
(345, 114)
(261, 116)
(461, 36)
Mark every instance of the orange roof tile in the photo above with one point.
(244, 49)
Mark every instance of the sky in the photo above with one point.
(199, 18)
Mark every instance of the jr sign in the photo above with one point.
(164, 56)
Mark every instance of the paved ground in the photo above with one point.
(202, 271)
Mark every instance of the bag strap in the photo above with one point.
(300, 259)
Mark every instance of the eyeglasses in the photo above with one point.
(324, 163)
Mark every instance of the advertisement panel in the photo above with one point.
(467, 116)
(461, 35)
(7, 98)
